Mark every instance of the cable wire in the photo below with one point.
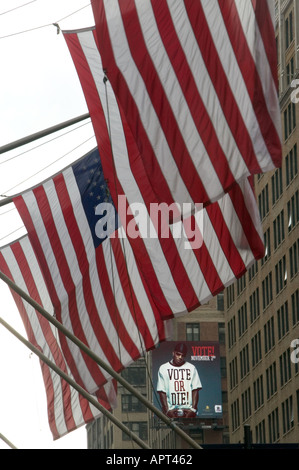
(44, 25)
(45, 168)
(16, 8)
(44, 143)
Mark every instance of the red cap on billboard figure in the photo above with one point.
(182, 348)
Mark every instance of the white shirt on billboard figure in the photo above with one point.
(178, 385)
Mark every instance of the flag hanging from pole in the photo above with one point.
(89, 268)
(67, 409)
(197, 82)
(180, 276)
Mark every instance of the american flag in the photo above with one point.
(94, 284)
(179, 278)
(67, 409)
(197, 81)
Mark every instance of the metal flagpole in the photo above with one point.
(7, 441)
(100, 362)
(43, 133)
(36, 136)
(79, 389)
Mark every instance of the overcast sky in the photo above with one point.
(39, 88)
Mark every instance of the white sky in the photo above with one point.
(39, 88)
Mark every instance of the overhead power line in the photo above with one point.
(43, 143)
(38, 135)
(17, 8)
(42, 26)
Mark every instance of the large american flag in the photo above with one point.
(179, 278)
(67, 409)
(197, 81)
(94, 284)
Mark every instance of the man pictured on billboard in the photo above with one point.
(178, 385)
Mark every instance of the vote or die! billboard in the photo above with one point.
(187, 379)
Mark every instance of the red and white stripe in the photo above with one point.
(197, 82)
(94, 296)
(179, 279)
(67, 409)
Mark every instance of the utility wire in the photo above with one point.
(14, 231)
(46, 167)
(44, 143)
(16, 8)
(45, 25)
(82, 8)
(26, 31)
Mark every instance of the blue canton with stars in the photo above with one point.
(94, 190)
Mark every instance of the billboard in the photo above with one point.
(187, 379)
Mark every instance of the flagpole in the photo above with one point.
(99, 361)
(38, 135)
(5, 201)
(7, 441)
(71, 382)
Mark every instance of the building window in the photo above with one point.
(231, 332)
(220, 302)
(273, 423)
(289, 117)
(267, 246)
(258, 393)
(295, 307)
(285, 367)
(192, 332)
(293, 211)
(263, 200)
(291, 162)
(290, 71)
(241, 284)
(278, 229)
(135, 375)
(244, 361)
(233, 373)
(242, 319)
(280, 274)
(293, 253)
(254, 305)
(130, 403)
(223, 367)
(138, 428)
(252, 271)
(277, 186)
(221, 332)
(256, 348)
(269, 336)
(246, 404)
(289, 29)
(267, 290)
(235, 413)
(230, 295)
(287, 414)
(271, 380)
(283, 320)
(260, 433)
